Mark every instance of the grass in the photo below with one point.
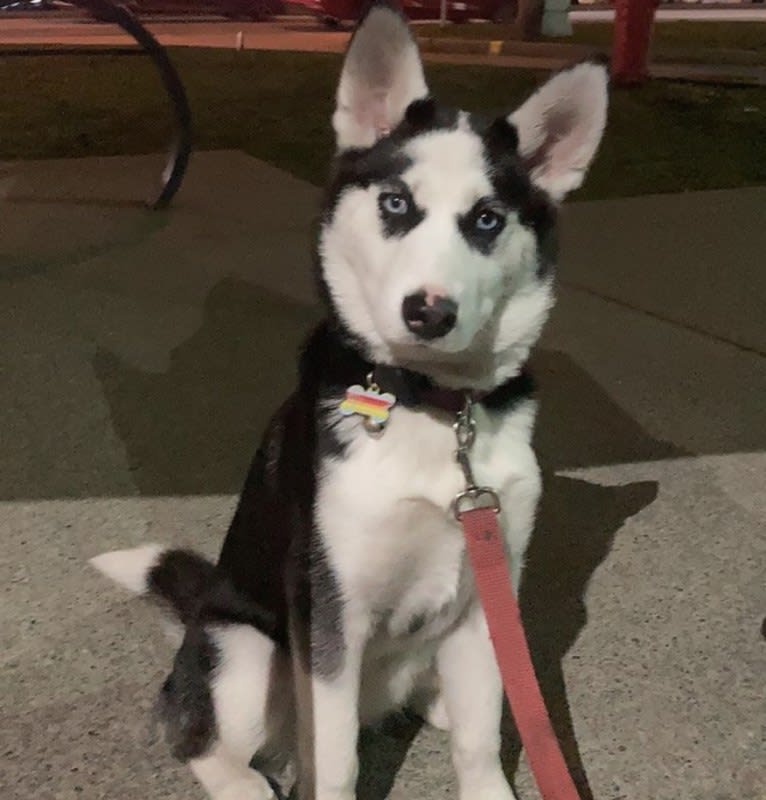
(697, 41)
(682, 33)
(665, 137)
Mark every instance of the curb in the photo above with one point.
(699, 73)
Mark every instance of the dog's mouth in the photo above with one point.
(457, 347)
(452, 369)
(424, 352)
(449, 361)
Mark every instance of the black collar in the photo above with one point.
(412, 390)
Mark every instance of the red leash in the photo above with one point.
(487, 554)
(486, 550)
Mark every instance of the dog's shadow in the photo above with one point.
(192, 430)
(576, 528)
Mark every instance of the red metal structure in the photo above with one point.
(457, 10)
(633, 23)
(118, 14)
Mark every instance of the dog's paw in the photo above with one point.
(495, 788)
(253, 787)
(436, 715)
(498, 794)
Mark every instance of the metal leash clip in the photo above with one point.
(472, 496)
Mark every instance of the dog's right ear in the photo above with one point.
(560, 127)
(382, 74)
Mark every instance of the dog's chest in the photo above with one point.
(384, 512)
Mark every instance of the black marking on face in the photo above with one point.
(482, 224)
(514, 188)
(497, 133)
(185, 704)
(398, 212)
(423, 116)
(382, 163)
(385, 160)
(547, 237)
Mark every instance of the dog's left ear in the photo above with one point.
(560, 127)
(382, 74)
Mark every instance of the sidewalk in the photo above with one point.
(141, 354)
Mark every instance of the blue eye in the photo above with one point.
(487, 221)
(393, 203)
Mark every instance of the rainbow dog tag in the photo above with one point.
(369, 403)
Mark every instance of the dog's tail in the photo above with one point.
(179, 578)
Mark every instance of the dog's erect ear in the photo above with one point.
(560, 127)
(382, 74)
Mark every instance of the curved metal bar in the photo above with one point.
(180, 150)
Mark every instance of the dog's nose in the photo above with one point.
(429, 316)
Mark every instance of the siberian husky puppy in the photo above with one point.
(342, 590)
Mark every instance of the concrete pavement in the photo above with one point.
(693, 11)
(141, 354)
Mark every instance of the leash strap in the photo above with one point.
(487, 554)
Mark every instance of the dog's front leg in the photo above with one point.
(328, 718)
(473, 696)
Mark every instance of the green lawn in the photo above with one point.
(691, 41)
(683, 33)
(666, 137)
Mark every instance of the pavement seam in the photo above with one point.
(744, 348)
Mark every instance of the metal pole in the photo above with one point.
(443, 13)
(180, 150)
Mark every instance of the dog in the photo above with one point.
(342, 590)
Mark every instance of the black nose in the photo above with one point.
(429, 317)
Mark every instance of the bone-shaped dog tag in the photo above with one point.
(372, 404)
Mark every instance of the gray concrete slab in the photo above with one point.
(694, 258)
(140, 357)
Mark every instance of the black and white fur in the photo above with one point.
(342, 590)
